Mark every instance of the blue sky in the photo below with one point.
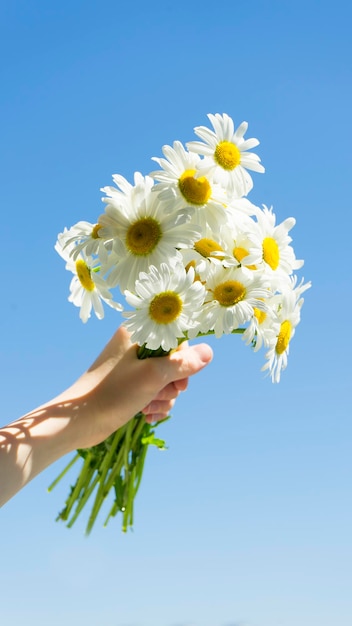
(245, 520)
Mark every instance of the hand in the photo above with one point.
(118, 384)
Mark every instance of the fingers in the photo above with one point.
(173, 373)
(179, 366)
(163, 401)
(169, 392)
(158, 417)
(181, 385)
(158, 410)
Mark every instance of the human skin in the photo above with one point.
(116, 387)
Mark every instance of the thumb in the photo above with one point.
(188, 361)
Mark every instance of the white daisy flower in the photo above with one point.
(226, 155)
(87, 236)
(180, 185)
(204, 252)
(278, 256)
(143, 234)
(88, 289)
(262, 328)
(239, 246)
(231, 297)
(125, 194)
(167, 303)
(288, 310)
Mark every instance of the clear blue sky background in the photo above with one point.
(246, 519)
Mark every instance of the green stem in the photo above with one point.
(117, 467)
(102, 471)
(83, 499)
(140, 466)
(64, 471)
(113, 511)
(127, 443)
(127, 519)
(140, 426)
(80, 482)
(235, 331)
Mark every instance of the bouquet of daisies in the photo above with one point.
(188, 255)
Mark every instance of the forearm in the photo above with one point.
(31, 443)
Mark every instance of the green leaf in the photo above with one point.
(151, 440)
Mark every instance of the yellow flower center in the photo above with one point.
(83, 273)
(206, 247)
(259, 314)
(284, 337)
(95, 231)
(165, 307)
(227, 155)
(195, 190)
(193, 264)
(239, 254)
(229, 293)
(190, 264)
(143, 236)
(271, 253)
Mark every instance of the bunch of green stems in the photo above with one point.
(115, 465)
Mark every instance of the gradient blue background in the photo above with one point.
(246, 519)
